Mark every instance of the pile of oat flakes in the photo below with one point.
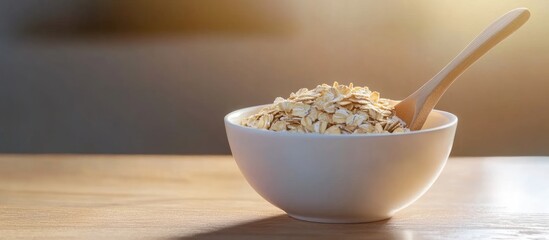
(337, 109)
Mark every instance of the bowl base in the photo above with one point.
(339, 220)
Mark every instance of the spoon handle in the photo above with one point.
(415, 108)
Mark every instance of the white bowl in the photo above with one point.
(341, 178)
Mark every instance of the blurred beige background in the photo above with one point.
(125, 76)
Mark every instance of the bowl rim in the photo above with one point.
(452, 121)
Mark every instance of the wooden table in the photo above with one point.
(205, 197)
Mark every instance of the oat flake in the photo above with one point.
(336, 109)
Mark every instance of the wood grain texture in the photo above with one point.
(189, 197)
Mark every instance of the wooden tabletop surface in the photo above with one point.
(206, 197)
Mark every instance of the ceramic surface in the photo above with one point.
(341, 178)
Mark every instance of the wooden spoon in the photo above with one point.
(415, 108)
